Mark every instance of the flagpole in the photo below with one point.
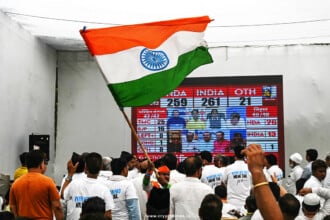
(135, 134)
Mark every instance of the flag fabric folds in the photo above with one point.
(144, 62)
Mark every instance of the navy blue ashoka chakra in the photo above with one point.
(154, 59)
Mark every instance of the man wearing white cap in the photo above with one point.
(296, 172)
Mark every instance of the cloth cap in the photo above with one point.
(327, 157)
(311, 199)
(163, 169)
(296, 157)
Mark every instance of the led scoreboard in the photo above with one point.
(214, 114)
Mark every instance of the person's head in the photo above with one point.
(289, 206)
(319, 169)
(327, 159)
(311, 154)
(221, 191)
(195, 114)
(119, 167)
(295, 159)
(22, 158)
(190, 136)
(106, 163)
(214, 111)
(193, 167)
(311, 205)
(130, 159)
(234, 118)
(211, 208)
(170, 160)
(143, 165)
(93, 205)
(36, 159)
(250, 204)
(237, 137)
(163, 176)
(271, 160)
(206, 157)
(93, 163)
(220, 135)
(237, 151)
(175, 113)
(220, 160)
(207, 136)
(175, 138)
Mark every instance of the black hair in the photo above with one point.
(237, 150)
(170, 160)
(289, 205)
(317, 164)
(192, 165)
(271, 159)
(251, 203)
(311, 208)
(118, 165)
(211, 208)
(93, 205)
(93, 162)
(206, 155)
(221, 191)
(22, 158)
(34, 158)
(126, 155)
(312, 154)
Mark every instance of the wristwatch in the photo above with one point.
(68, 178)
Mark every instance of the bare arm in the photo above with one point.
(71, 170)
(108, 214)
(264, 197)
(57, 208)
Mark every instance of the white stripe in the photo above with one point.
(125, 65)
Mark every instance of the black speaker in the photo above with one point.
(39, 142)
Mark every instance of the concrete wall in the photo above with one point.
(89, 119)
(27, 92)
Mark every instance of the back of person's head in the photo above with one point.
(211, 208)
(170, 160)
(311, 204)
(221, 191)
(106, 163)
(118, 165)
(34, 158)
(93, 216)
(237, 151)
(22, 158)
(206, 155)
(127, 156)
(93, 162)
(251, 204)
(180, 167)
(271, 159)
(312, 154)
(192, 165)
(289, 206)
(93, 205)
(317, 164)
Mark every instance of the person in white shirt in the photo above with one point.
(105, 173)
(319, 168)
(80, 190)
(123, 192)
(211, 175)
(171, 161)
(326, 181)
(228, 210)
(186, 196)
(295, 174)
(237, 177)
(273, 168)
(311, 155)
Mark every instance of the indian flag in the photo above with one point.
(144, 62)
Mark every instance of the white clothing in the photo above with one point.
(142, 195)
(133, 173)
(176, 176)
(238, 179)
(211, 175)
(186, 197)
(121, 190)
(326, 181)
(312, 182)
(104, 175)
(80, 190)
(275, 169)
(226, 207)
(257, 215)
(290, 181)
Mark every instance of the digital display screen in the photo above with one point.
(214, 114)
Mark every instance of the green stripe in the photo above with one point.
(152, 87)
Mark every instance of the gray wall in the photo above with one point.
(89, 119)
(27, 92)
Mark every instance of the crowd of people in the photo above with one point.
(206, 187)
